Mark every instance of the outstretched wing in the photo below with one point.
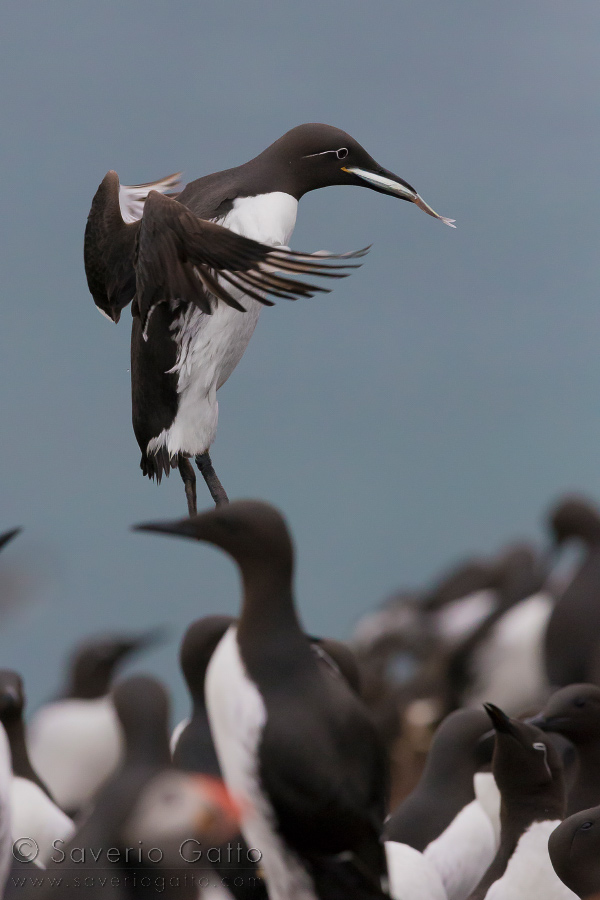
(172, 255)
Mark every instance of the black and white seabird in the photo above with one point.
(441, 838)
(295, 743)
(529, 773)
(12, 704)
(192, 746)
(446, 785)
(6, 837)
(75, 742)
(197, 289)
(33, 811)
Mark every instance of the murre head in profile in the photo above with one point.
(199, 265)
(96, 660)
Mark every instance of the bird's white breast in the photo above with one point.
(35, 816)
(210, 347)
(464, 851)
(74, 746)
(237, 716)
(411, 876)
(6, 839)
(268, 218)
(529, 874)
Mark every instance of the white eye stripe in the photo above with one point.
(342, 153)
(539, 746)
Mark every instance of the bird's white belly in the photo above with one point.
(237, 716)
(210, 347)
(74, 746)
(33, 814)
(529, 874)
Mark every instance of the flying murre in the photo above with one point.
(295, 744)
(197, 290)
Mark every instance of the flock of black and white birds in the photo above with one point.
(449, 751)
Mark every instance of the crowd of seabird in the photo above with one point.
(285, 781)
(450, 751)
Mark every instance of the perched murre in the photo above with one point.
(75, 742)
(192, 745)
(443, 818)
(6, 835)
(446, 785)
(12, 705)
(197, 288)
(529, 775)
(574, 712)
(295, 744)
(34, 814)
(575, 852)
(572, 644)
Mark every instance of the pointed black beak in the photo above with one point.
(385, 182)
(151, 638)
(547, 723)
(500, 720)
(7, 537)
(190, 528)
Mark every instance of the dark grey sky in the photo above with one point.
(432, 405)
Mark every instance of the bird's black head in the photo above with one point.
(574, 849)
(314, 156)
(254, 533)
(575, 517)
(12, 696)
(525, 763)
(573, 711)
(95, 662)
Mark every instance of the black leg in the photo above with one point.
(186, 470)
(217, 491)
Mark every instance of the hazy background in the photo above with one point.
(432, 405)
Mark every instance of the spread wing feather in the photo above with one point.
(169, 254)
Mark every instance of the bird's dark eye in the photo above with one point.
(579, 702)
(342, 153)
(586, 826)
(539, 746)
